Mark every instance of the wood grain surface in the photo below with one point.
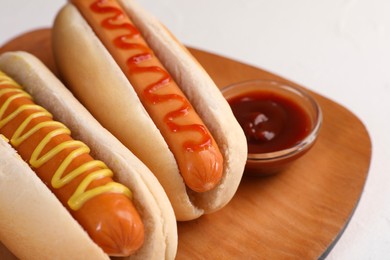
(297, 214)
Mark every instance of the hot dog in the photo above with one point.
(66, 165)
(159, 94)
(125, 215)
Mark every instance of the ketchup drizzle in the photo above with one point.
(115, 22)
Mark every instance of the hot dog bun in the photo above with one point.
(97, 81)
(33, 224)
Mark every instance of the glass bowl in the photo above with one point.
(266, 97)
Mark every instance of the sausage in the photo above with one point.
(197, 154)
(83, 185)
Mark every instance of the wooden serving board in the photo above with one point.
(299, 213)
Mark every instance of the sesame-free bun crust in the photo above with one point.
(29, 212)
(97, 81)
(40, 226)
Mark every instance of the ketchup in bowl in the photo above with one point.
(280, 122)
(271, 122)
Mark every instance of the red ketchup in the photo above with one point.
(271, 122)
(116, 20)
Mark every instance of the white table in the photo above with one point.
(340, 49)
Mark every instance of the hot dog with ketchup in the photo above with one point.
(167, 109)
(126, 215)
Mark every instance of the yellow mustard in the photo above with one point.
(81, 195)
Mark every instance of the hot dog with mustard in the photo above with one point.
(126, 215)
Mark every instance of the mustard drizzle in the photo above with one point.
(81, 195)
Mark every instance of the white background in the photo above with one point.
(338, 48)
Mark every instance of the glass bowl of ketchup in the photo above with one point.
(281, 122)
